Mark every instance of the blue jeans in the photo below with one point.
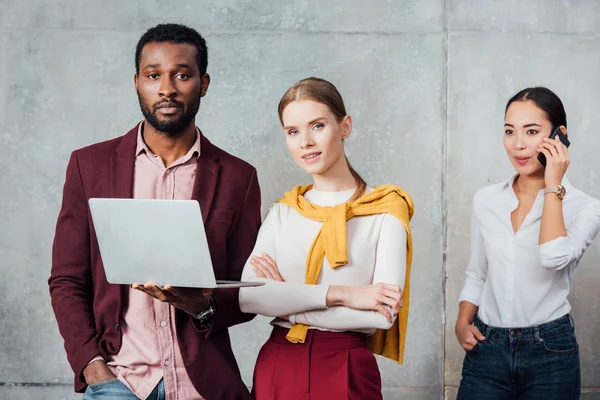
(540, 362)
(114, 389)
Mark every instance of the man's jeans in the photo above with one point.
(114, 389)
(540, 362)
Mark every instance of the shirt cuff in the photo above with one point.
(554, 252)
(292, 319)
(98, 357)
(324, 296)
(471, 294)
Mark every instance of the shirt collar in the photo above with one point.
(143, 148)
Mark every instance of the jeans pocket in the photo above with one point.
(563, 343)
(474, 349)
(99, 385)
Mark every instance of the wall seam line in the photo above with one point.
(444, 199)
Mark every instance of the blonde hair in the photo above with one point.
(324, 92)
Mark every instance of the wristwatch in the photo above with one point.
(205, 317)
(560, 191)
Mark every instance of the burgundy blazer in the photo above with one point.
(88, 309)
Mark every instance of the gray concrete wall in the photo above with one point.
(426, 82)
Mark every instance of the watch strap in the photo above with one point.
(559, 190)
(205, 317)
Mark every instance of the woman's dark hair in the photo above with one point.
(546, 100)
(175, 33)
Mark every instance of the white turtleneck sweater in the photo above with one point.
(376, 252)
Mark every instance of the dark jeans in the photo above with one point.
(540, 362)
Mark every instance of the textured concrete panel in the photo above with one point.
(405, 393)
(590, 394)
(579, 16)
(586, 313)
(480, 82)
(450, 393)
(230, 15)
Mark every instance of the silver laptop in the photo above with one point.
(159, 241)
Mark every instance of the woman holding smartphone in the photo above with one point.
(527, 236)
(335, 257)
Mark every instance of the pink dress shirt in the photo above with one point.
(150, 350)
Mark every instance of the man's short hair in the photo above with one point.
(175, 33)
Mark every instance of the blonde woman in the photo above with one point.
(335, 256)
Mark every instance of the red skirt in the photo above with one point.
(328, 366)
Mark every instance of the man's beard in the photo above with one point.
(171, 127)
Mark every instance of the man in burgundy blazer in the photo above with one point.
(89, 310)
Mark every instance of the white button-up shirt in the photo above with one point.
(515, 281)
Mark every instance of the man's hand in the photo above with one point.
(97, 372)
(190, 300)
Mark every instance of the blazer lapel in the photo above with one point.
(207, 176)
(122, 166)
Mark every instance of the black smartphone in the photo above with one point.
(561, 136)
